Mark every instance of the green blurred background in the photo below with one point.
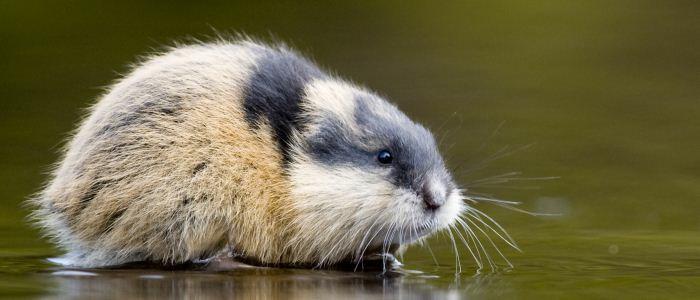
(606, 93)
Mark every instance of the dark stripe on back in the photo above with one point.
(275, 93)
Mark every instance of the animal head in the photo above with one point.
(366, 178)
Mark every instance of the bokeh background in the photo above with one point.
(604, 95)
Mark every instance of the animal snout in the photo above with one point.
(432, 198)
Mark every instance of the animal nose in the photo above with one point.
(431, 199)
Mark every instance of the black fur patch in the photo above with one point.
(275, 93)
(332, 145)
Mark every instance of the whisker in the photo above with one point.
(366, 246)
(507, 187)
(452, 115)
(527, 212)
(508, 241)
(477, 260)
(387, 238)
(484, 162)
(475, 193)
(490, 240)
(503, 152)
(481, 245)
(530, 178)
(473, 240)
(413, 231)
(337, 246)
(508, 205)
(493, 200)
(430, 250)
(503, 230)
(458, 267)
(512, 173)
(506, 177)
(369, 230)
(488, 139)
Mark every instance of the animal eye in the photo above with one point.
(385, 157)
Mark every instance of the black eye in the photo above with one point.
(385, 157)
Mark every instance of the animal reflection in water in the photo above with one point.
(260, 283)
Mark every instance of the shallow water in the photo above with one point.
(602, 95)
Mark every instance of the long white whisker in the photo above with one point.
(464, 241)
(503, 152)
(458, 267)
(514, 173)
(527, 212)
(504, 178)
(507, 238)
(499, 201)
(490, 240)
(430, 250)
(367, 246)
(387, 243)
(387, 237)
(488, 139)
(369, 230)
(472, 239)
(507, 187)
(483, 249)
(334, 248)
(503, 230)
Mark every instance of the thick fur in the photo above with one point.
(242, 145)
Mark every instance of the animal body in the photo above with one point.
(249, 147)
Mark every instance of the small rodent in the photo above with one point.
(244, 146)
